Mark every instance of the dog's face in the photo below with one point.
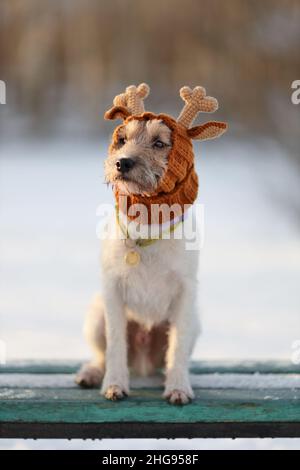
(138, 156)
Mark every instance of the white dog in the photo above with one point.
(146, 317)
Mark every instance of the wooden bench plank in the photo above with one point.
(215, 380)
(35, 403)
(199, 367)
(144, 405)
(85, 414)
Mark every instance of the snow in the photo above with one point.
(250, 263)
(249, 269)
(216, 380)
(151, 444)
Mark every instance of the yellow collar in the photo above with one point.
(143, 242)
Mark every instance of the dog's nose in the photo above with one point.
(125, 164)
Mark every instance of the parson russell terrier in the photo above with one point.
(146, 317)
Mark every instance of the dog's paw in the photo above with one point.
(178, 397)
(89, 376)
(115, 386)
(114, 393)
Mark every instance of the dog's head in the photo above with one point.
(151, 153)
(138, 155)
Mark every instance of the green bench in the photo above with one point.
(41, 400)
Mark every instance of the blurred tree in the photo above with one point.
(64, 59)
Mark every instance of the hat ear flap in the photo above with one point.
(117, 112)
(209, 130)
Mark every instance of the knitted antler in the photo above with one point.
(133, 98)
(128, 103)
(131, 102)
(195, 101)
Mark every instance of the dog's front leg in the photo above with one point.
(116, 380)
(183, 333)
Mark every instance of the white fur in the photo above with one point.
(161, 288)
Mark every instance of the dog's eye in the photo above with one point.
(121, 140)
(158, 144)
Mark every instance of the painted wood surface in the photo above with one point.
(215, 380)
(201, 367)
(146, 405)
(41, 400)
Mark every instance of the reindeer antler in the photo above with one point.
(133, 98)
(128, 103)
(195, 101)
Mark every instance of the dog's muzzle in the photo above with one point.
(124, 165)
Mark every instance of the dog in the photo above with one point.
(146, 317)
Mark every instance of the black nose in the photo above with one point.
(125, 164)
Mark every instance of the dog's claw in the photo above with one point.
(178, 397)
(89, 376)
(114, 393)
(82, 383)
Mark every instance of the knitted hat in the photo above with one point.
(178, 187)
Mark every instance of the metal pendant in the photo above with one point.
(132, 258)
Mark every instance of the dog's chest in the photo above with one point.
(148, 287)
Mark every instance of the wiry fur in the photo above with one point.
(150, 162)
(147, 315)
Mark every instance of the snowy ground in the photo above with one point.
(153, 444)
(250, 264)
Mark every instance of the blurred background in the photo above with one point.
(63, 61)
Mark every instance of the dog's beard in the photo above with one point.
(128, 184)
